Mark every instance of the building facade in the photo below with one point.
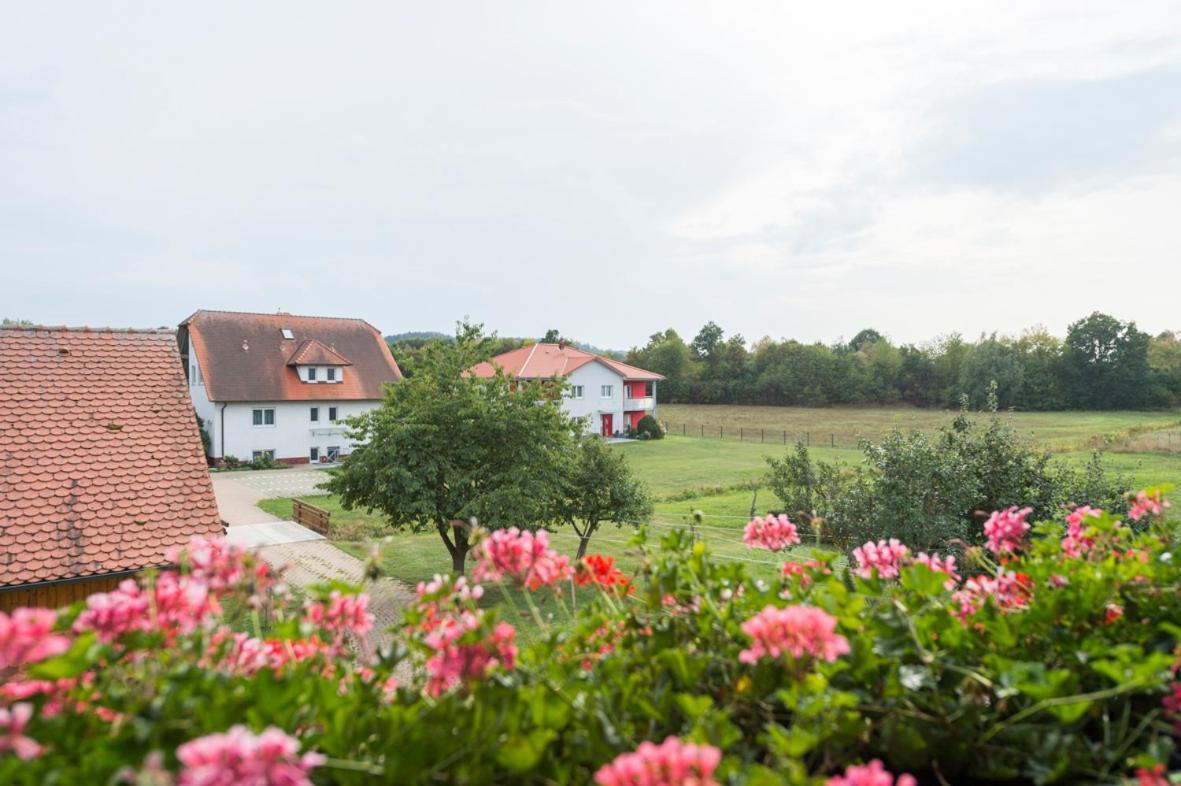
(608, 395)
(280, 386)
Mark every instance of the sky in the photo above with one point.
(607, 169)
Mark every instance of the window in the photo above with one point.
(334, 453)
(287, 334)
(332, 414)
(314, 455)
(312, 374)
(576, 391)
(607, 391)
(263, 417)
(315, 414)
(267, 455)
(332, 374)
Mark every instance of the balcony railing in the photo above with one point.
(647, 403)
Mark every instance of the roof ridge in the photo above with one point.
(274, 314)
(88, 329)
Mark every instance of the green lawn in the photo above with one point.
(689, 474)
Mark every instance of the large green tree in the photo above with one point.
(1106, 364)
(446, 447)
(600, 486)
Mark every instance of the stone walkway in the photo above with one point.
(308, 562)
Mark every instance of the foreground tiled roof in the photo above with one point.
(244, 357)
(542, 361)
(101, 464)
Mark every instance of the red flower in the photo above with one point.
(601, 570)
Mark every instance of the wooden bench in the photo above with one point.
(315, 519)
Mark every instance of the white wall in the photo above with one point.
(293, 434)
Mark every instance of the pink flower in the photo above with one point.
(774, 533)
(462, 654)
(215, 563)
(182, 605)
(27, 637)
(1005, 529)
(795, 631)
(240, 758)
(1147, 503)
(672, 763)
(940, 565)
(1075, 542)
(872, 774)
(884, 556)
(1154, 777)
(342, 614)
(1009, 590)
(111, 614)
(12, 732)
(523, 556)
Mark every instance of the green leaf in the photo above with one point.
(521, 753)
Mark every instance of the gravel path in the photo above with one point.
(307, 562)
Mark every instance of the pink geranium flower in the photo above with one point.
(1146, 503)
(795, 631)
(523, 556)
(1075, 542)
(872, 774)
(672, 763)
(1010, 591)
(774, 533)
(182, 604)
(885, 557)
(940, 565)
(12, 732)
(27, 637)
(239, 757)
(461, 655)
(1005, 529)
(341, 614)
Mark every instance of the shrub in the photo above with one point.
(232, 462)
(649, 426)
(1056, 664)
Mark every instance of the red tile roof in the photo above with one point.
(244, 357)
(311, 352)
(101, 465)
(542, 361)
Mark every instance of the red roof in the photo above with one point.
(542, 361)
(246, 357)
(102, 468)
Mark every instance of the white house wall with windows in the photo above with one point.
(281, 386)
(607, 394)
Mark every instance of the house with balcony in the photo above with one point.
(280, 386)
(609, 395)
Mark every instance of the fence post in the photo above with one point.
(703, 431)
(808, 438)
(762, 435)
(741, 434)
(785, 438)
(721, 432)
(832, 438)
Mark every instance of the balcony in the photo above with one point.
(646, 404)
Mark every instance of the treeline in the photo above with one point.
(1102, 363)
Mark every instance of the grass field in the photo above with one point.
(845, 425)
(714, 477)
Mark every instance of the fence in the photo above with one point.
(768, 436)
(315, 519)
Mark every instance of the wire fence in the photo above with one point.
(766, 436)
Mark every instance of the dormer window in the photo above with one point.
(331, 373)
(311, 374)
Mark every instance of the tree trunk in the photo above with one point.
(582, 544)
(459, 553)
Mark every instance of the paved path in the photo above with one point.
(308, 560)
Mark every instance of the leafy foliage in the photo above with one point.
(600, 486)
(1058, 666)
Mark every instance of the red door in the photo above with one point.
(607, 425)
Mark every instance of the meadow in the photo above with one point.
(712, 484)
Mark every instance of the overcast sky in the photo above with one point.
(608, 169)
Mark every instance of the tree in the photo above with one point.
(600, 486)
(554, 336)
(446, 447)
(707, 341)
(864, 339)
(1105, 364)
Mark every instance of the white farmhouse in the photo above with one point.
(280, 386)
(608, 394)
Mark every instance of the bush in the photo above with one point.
(650, 427)
(232, 462)
(1055, 662)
